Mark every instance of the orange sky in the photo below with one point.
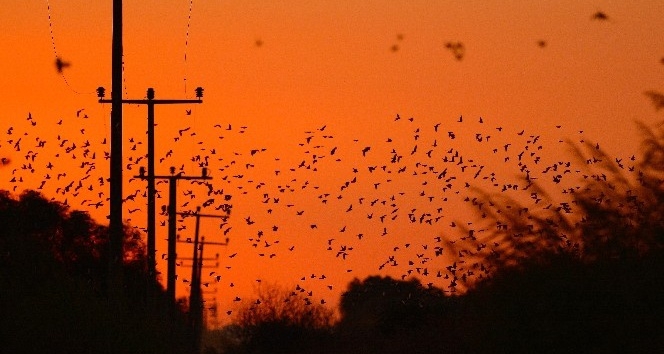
(347, 66)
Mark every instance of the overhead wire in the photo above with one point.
(191, 141)
(186, 45)
(55, 52)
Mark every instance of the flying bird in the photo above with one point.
(60, 64)
(600, 16)
(457, 48)
(656, 98)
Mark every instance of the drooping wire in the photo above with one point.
(186, 45)
(55, 51)
(50, 27)
(124, 77)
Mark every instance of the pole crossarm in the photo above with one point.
(158, 101)
(150, 100)
(216, 243)
(202, 259)
(204, 243)
(191, 213)
(174, 177)
(200, 266)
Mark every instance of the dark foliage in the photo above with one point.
(563, 305)
(389, 306)
(278, 321)
(385, 315)
(53, 266)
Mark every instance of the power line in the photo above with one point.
(124, 77)
(55, 52)
(186, 45)
(50, 27)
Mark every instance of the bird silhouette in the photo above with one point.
(60, 65)
(458, 49)
(599, 16)
(657, 99)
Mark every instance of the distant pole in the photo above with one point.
(196, 301)
(172, 222)
(172, 255)
(115, 222)
(152, 262)
(195, 284)
(196, 294)
(195, 298)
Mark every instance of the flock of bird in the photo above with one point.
(395, 205)
(403, 205)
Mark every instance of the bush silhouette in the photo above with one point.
(388, 305)
(279, 321)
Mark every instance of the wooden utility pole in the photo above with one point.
(115, 223)
(151, 102)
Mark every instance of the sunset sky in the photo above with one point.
(295, 93)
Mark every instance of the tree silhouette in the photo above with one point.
(53, 264)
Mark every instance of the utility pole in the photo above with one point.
(198, 246)
(151, 102)
(196, 294)
(115, 223)
(172, 222)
